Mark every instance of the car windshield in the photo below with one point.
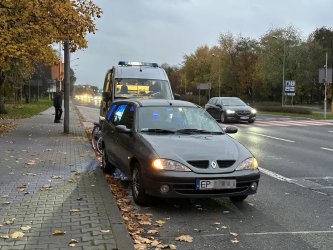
(176, 119)
(233, 102)
(142, 88)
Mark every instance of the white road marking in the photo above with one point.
(272, 137)
(272, 233)
(274, 175)
(329, 149)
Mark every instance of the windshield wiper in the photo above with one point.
(198, 131)
(157, 130)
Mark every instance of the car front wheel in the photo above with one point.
(138, 190)
(107, 166)
(251, 121)
(239, 198)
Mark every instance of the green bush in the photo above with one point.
(293, 110)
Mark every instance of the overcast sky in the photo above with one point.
(163, 31)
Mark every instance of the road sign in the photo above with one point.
(289, 88)
(204, 86)
(322, 75)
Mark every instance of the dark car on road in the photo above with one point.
(226, 109)
(172, 148)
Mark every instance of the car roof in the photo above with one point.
(159, 102)
(141, 72)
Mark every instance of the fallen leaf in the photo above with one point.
(30, 174)
(152, 231)
(21, 189)
(142, 222)
(4, 236)
(6, 203)
(25, 228)
(22, 186)
(234, 234)
(186, 238)
(140, 246)
(234, 241)
(154, 243)
(79, 199)
(216, 223)
(31, 162)
(160, 222)
(16, 235)
(72, 242)
(58, 232)
(224, 227)
(172, 246)
(56, 177)
(10, 221)
(105, 231)
(73, 210)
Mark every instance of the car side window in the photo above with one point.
(117, 114)
(112, 108)
(127, 117)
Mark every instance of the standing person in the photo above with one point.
(57, 103)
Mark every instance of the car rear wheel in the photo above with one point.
(239, 198)
(223, 118)
(107, 166)
(138, 191)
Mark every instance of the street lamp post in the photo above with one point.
(283, 68)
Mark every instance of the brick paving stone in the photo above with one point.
(30, 155)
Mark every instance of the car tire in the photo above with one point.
(223, 118)
(107, 166)
(239, 198)
(138, 191)
(251, 121)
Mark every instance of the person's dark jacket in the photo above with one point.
(57, 101)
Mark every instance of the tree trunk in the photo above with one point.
(2, 88)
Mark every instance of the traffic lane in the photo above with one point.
(280, 216)
(288, 158)
(92, 104)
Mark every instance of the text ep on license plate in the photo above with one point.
(215, 184)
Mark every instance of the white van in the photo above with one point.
(130, 80)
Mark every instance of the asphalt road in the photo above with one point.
(293, 208)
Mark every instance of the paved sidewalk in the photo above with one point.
(51, 181)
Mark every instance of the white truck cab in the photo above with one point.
(130, 80)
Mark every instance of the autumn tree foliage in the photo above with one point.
(30, 27)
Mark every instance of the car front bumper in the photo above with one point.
(183, 184)
(235, 117)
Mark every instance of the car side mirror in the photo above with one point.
(219, 105)
(231, 130)
(123, 129)
(106, 96)
(176, 96)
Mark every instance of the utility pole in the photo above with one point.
(66, 86)
(326, 83)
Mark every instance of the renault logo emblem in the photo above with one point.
(213, 164)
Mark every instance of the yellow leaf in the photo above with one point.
(160, 222)
(4, 236)
(173, 247)
(152, 231)
(58, 232)
(234, 234)
(186, 238)
(56, 177)
(72, 242)
(73, 210)
(234, 241)
(16, 235)
(25, 228)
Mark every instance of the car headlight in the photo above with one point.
(229, 112)
(248, 164)
(253, 111)
(165, 164)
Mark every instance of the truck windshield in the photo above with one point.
(142, 88)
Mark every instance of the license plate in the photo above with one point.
(215, 184)
(244, 117)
